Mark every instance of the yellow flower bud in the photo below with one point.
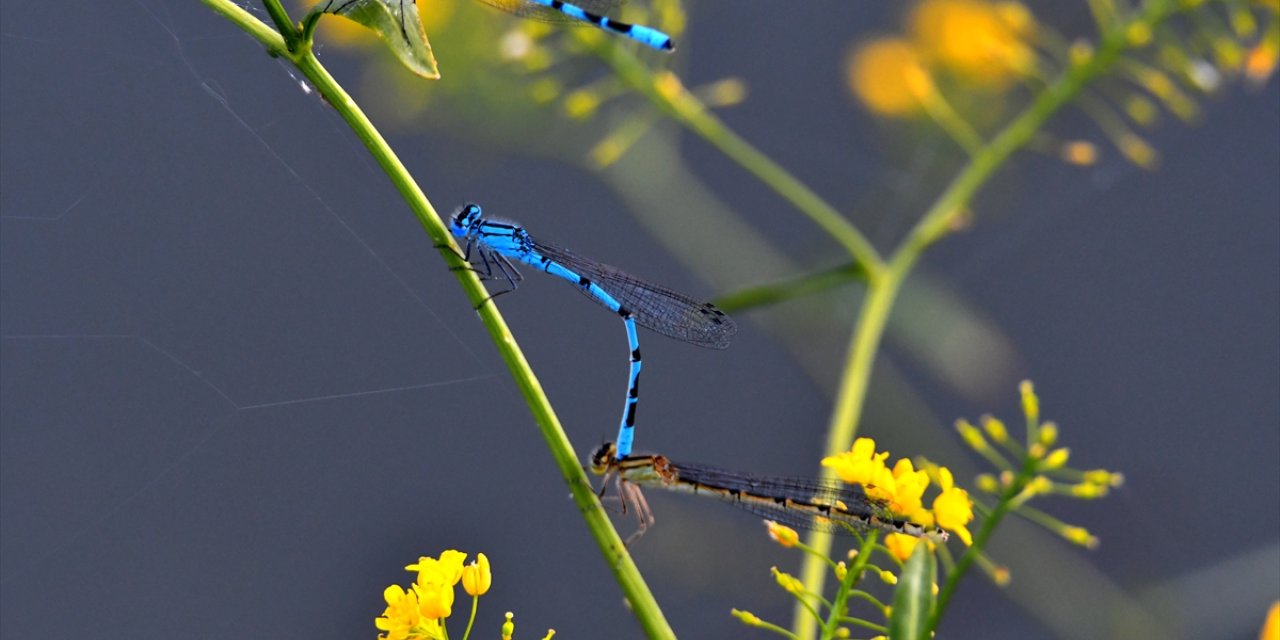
(995, 428)
(888, 577)
(781, 534)
(669, 85)
(747, 617)
(788, 582)
(971, 435)
(987, 483)
(508, 627)
(581, 104)
(551, 633)
(1048, 434)
(1080, 52)
(841, 570)
(1089, 491)
(1138, 151)
(476, 577)
(1080, 536)
(1001, 576)
(1138, 33)
(1030, 403)
(1056, 459)
(1079, 152)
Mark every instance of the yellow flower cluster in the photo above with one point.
(902, 488)
(980, 44)
(418, 613)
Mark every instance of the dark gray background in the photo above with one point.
(240, 391)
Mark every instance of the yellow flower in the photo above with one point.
(973, 39)
(401, 614)
(435, 582)
(860, 465)
(476, 577)
(952, 508)
(908, 488)
(901, 545)
(782, 534)
(881, 74)
(1271, 627)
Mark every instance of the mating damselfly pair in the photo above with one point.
(803, 502)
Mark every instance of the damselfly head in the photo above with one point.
(464, 218)
(602, 458)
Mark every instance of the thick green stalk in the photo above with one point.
(628, 576)
(940, 218)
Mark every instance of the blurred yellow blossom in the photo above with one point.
(978, 41)
(1271, 626)
(1080, 152)
(879, 76)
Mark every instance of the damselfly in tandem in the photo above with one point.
(807, 503)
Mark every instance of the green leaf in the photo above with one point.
(913, 599)
(395, 21)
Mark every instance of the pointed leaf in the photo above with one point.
(396, 22)
(913, 598)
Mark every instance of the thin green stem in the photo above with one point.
(471, 621)
(971, 554)
(667, 93)
(625, 572)
(840, 605)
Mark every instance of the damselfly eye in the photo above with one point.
(469, 213)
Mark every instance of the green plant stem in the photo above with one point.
(980, 540)
(625, 572)
(840, 604)
(795, 287)
(667, 93)
(938, 220)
